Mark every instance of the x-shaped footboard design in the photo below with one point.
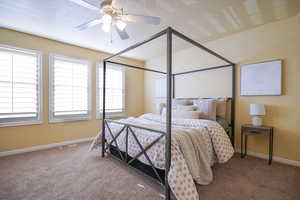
(129, 130)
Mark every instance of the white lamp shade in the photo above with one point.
(257, 109)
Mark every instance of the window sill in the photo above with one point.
(111, 116)
(70, 119)
(21, 123)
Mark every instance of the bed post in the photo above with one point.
(103, 109)
(173, 84)
(233, 106)
(169, 114)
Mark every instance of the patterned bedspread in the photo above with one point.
(196, 145)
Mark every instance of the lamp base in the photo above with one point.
(257, 121)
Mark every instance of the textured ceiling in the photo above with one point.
(202, 20)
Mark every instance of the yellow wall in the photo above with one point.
(26, 136)
(279, 40)
(189, 85)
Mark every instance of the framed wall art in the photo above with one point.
(261, 78)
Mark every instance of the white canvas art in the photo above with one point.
(261, 78)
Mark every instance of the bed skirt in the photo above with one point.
(146, 169)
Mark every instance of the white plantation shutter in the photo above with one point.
(20, 88)
(69, 89)
(115, 90)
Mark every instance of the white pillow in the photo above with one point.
(179, 114)
(186, 108)
(208, 107)
(184, 102)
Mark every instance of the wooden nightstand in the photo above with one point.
(249, 129)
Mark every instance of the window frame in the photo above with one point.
(73, 117)
(98, 110)
(39, 118)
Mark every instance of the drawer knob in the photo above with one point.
(256, 132)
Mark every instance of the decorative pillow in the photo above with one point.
(221, 108)
(182, 102)
(208, 107)
(186, 108)
(179, 114)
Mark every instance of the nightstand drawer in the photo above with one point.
(256, 131)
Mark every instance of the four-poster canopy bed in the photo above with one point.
(129, 129)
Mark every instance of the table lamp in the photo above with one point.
(257, 111)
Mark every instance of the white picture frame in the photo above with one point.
(263, 78)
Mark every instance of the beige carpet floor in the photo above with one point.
(70, 173)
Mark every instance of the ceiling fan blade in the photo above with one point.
(141, 18)
(89, 24)
(123, 34)
(86, 4)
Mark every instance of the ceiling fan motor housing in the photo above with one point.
(106, 5)
(107, 8)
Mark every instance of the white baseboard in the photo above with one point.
(276, 159)
(48, 146)
(42, 147)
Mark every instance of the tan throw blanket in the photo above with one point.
(194, 151)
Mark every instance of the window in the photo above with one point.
(20, 86)
(115, 90)
(69, 92)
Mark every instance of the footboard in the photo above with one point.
(128, 128)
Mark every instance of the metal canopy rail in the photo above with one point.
(202, 69)
(128, 128)
(135, 67)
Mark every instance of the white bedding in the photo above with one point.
(196, 145)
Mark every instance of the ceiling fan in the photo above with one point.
(113, 17)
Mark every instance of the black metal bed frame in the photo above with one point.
(170, 94)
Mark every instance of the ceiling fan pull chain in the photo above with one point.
(111, 41)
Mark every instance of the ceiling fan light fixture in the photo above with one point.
(106, 19)
(106, 27)
(121, 25)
